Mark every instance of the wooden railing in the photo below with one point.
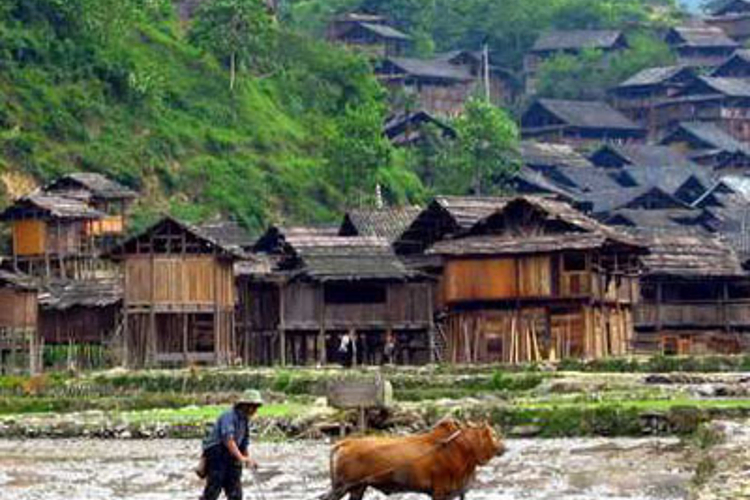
(694, 314)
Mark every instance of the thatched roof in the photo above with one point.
(577, 40)
(49, 206)
(585, 114)
(424, 68)
(388, 223)
(97, 185)
(67, 294)
(548, 154)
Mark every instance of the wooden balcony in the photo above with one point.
(698, 314)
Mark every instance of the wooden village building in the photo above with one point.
(578, 123)
(637, 96)
(700, 46)
(707, 144)
(737, 66)
(732, 17)
(316, 289)
(368, 33)
(721, 101)
(19, 339)
(409, 129)
(179, 296)
(442, 85)
(79, 323)
(536, 280)
(571, 42)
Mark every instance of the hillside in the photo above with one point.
(130, 97)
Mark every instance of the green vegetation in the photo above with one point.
(589, 75)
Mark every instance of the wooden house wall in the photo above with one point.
(179, 280)
(111, 224)
(443, 98)
(78, 325)
(29, 237)
(407, 305)
(538, 276)
(18, 309)
(531, 334)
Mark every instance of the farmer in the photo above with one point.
(225, 449)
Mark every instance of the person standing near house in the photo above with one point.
(226, 449)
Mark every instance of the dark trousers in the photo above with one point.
(224, 473)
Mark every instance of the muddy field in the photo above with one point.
(566, 469)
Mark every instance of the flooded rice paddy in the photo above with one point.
(561, 469)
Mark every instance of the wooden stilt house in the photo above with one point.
(79, 323)
(537, 280)
(179, 296)
(317, 289)
(19, 340)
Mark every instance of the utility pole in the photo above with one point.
(486, 61)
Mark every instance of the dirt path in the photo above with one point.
(564, 469)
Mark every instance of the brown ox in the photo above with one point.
(440, 463)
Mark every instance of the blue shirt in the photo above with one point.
(231, 424)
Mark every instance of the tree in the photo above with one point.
(484, 156)
(235, 31)
(590, 74)
(356, 150)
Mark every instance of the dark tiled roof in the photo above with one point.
(721, 7)
(730, 87)
(576, 40)
(468, 210)
(17, 281)
(353, 258)
(97, 184)
(688, 255)
(229, 233)
(65, 295)
(653, 76)
(700, 36)
(51, 206)
(388, 223)
(385, 31)
(553, 155)
(588, 114)
(663, 219)
(713, 137)
(584, 179)
(742, 55)
(669, 179)
(401, 129)
(624, 197)
(649, 155)
(434, 68)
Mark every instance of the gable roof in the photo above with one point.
(548, 154)
(67, 294)
(699, 36)
(730, 87)
(349, 258)
(645, 155)
(739, 56)
(655, 76)
(228, 233)
(50, 206)
(662, 219)
(630, 197)
(384, 31)
(404, 129)
(387, 223)
(586, 114)
(426, 68)
(209, 239)
(577, 40)
(97, 184)
(724, 7)
(688, 255)
(709, 135)
(587, 233)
